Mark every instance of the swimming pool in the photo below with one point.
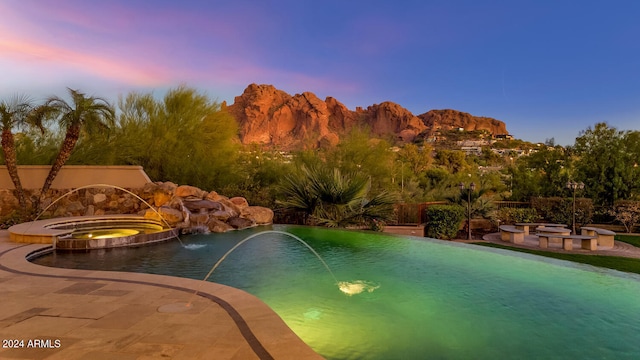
(428, 298)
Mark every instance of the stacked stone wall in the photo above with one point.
(185, 207)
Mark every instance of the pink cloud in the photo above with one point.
(156, 47)
(29, 52)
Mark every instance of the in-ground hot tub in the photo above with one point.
(92, 232)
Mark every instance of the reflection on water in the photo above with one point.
(356, 287)
(194, 246)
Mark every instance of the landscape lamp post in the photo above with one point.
(574, 186)
(472, 187)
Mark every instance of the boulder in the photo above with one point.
(258, 214)
(240, 223)
(189, 192)
(158, 192)
(214, 196)
(218, 226)
(170, 215)
(240, 202)
(167, 186)
(75, 207)
(99, 198)
(149, 188)
(198, 219)
(161, 198)
(148, 214)
(197, 206)
(221, 215)
(229, 207)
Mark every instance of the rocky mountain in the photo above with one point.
(452, 119)
(272, 117)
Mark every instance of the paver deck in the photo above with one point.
(51, 313)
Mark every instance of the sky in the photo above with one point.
(547, 68)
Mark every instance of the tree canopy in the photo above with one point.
(185, 138)
(607, 163)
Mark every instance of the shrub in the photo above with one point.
(444, 221)
(518, 215)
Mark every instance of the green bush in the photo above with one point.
(444, 221)
(518, 215)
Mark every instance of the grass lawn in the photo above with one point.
(612, 262)
(629, 239)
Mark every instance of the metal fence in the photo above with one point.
(512, 204)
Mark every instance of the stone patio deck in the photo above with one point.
(80, 314)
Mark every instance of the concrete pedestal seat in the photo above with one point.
(512, 234)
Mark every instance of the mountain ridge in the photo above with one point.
(271, 117)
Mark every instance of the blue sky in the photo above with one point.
(548, 69)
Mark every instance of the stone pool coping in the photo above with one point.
(57, 231)
(79, 314)
(45, 230)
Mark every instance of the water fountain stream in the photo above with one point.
(348, 288)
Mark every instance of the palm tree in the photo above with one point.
(88, 114)
(481, 200)
(15, 114)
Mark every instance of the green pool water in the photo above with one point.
(422, 298)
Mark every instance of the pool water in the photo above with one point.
(424, 298)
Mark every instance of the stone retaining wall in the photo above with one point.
(187, 208)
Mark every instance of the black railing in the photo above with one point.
(512, 204)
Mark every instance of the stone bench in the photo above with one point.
(527, 226)
(588, 242)
(561, 231)
(512, 234)
(605, 237)
(543, 230)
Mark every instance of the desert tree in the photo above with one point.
(607, 162)
(185, 137)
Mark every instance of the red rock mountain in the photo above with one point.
(453, 119)
(272, 117)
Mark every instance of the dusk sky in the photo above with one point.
(547, 68)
